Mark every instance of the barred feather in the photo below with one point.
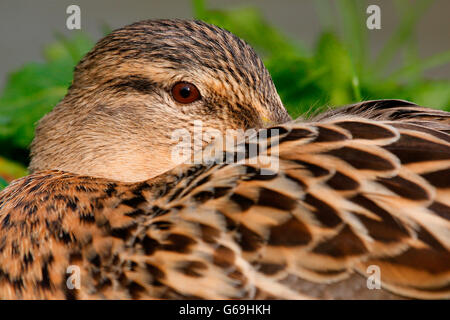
(365, 185)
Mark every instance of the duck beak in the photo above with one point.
(267, 122)
(282, 118)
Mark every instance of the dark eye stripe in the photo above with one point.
(136, 83)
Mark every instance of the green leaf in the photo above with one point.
(10, 170)
(402, 34)
(249, 24)
(436, 94)
(3, 183)
(332, 55)
(418, 67)
(353, 22)
(36, 88)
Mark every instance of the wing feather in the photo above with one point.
(355, 188)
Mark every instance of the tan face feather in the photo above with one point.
(116, 119)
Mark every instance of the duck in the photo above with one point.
(351, 203)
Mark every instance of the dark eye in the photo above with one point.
(185, 92)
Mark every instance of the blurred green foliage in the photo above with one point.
(36, 88)
(337, 70)
(340, 68)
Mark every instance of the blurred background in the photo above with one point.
(320, 53)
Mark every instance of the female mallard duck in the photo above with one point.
(361, 188)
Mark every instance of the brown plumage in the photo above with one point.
(367, 184)
(119, 103)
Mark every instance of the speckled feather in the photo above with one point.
(349, 192)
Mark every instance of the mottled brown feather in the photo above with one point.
(245, 235)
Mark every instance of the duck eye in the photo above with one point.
(185, 92)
